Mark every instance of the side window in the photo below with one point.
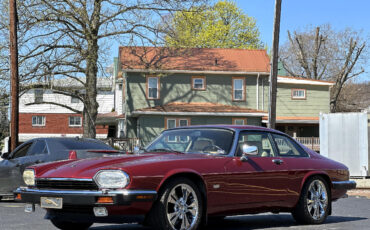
(258, 139)
(286, 147)
(38, 148)
(22, 151)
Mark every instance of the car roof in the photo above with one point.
(67, 139)
(231, 127)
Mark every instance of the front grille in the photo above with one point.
(67, 184)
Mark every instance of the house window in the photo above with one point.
(299, 94)
(39, 95)
(176, 122)
(238, 89)
(198, 83)
(75, 99)
(38, 121)
(74, 121)
(239, 121)
(152, 87)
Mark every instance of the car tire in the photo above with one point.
(179, 205)
(314, 202)
(64, 225)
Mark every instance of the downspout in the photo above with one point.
(263, 95)
(257, 91)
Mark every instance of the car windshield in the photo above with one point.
(208, 141)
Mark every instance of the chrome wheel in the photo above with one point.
(182, 207)
(317, 199)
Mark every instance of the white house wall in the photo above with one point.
(104, 98)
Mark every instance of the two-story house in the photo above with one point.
(165, 88)
(52, 120)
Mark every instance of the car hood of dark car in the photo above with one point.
(87, 168)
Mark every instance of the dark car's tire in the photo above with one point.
(179, 203)
(314, 202)
(64, 225)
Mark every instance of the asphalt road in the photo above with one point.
(350, 213)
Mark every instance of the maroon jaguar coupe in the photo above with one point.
(187, 175)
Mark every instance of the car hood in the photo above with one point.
(87, 168)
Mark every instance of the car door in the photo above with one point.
(11, 169)
(260, 181)
(296, 161)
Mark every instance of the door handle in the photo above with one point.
(277, 161)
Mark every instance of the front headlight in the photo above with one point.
(111, 179)
(29, 177)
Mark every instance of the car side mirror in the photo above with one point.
(248, 151)
(5, 155)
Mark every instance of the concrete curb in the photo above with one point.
(362, 183)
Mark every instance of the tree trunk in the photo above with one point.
(91, 105)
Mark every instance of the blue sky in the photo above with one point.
(298, 14)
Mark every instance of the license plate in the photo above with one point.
(51, 202)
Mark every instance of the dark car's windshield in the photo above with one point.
(208, 141)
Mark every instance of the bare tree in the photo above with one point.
(70, 39)
(354, 97)
(323, 54)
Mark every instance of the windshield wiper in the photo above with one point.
(164, 150)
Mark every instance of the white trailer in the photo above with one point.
(344, 137)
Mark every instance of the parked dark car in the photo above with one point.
(186, 175)
(36, 151)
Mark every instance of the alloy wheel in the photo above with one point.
(317, 199)
(182, 207)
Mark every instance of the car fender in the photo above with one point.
(179, 171)
(312, 173)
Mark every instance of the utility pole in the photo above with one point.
(13, 18)
(274, 66)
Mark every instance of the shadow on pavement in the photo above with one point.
(245, 222)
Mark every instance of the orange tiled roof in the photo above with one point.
(198, 107)
(194, 59)
(293, 118)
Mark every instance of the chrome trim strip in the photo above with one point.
(63, 179)
(123, 192)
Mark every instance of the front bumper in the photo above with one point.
(344, 185)
(86, 197)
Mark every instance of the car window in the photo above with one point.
(22, 151)
(258, 139)
(38, 148)
(207, 141)
(83, 144)
(286, 147)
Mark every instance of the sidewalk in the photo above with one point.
(359, 192)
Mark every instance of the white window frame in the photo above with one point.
(203, 79)
(36, 124)
(299, 97)
(75, 100)
(242, 89)
(234, 120)
(148, 87)
(74, 125)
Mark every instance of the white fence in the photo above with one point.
(310, 142)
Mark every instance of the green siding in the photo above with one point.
(152, 126)
(317, 100)
(177, 88)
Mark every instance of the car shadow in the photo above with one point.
(261, 221)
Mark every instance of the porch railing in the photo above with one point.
(125, 144)
(310, 142)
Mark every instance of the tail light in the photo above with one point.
(72, 155)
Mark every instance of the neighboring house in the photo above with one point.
(165, 88)
(49, 120)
